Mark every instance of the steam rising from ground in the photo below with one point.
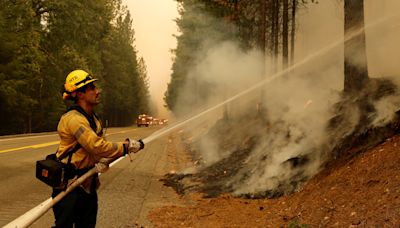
(296, 108)
(294, 142)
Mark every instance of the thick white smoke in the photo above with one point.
(298, 105)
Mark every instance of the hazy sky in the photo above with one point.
(154, 25)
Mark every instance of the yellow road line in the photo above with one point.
(32, 146)
(52, 143)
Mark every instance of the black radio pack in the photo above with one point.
(53, 172)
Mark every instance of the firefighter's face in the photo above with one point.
(92, 94)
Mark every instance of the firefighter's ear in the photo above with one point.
(79, 95)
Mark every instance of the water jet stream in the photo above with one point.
(304, 61)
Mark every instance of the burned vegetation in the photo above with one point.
(253, 163)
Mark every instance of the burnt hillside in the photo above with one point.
(360, 191)
(356, 125)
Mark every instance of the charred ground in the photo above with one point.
(361, 191)
(357, 185)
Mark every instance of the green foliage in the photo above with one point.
(201, 25)
(143, 86)
(20, 61)
(125, 81)
(296, 224)
(42, 41)
(204, 23)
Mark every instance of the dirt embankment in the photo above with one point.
(360, 192)
(357, 185)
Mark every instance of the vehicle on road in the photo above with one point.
(163, 121)
(144, 120)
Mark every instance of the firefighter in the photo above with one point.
(80, 128)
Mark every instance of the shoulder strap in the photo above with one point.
(92, 125)
(89, 118)
(76, 147)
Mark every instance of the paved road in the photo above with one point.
(129, 189)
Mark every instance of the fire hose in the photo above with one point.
(34, 214)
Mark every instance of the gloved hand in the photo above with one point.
(134, 146)
(102, 165)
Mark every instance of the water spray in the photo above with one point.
(304, 61)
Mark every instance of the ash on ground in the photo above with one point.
(238, 137)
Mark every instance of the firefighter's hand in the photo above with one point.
(102, 165)
(134, 146)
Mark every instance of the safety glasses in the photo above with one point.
(84, 80)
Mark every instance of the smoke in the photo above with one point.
(382, 54)
(223, 71)
(298, 109)
(386, 110)
(383, 40)
(293, 142)
(386, 106)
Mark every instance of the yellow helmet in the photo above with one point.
(75, 80)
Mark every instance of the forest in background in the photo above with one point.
(41, 41)
(269, 26)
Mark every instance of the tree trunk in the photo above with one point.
(276, 32)
(262, 43)
(29, 123)
(263, 26)
(293, 31)
(355, 57)
(285, 34)
(273, 28)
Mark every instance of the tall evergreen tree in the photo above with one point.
(202, 24)
(144, 83)
(355, 63)
(124, 88)
(41, 41)
(20, 61)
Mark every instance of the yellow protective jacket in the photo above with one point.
(74, 128)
